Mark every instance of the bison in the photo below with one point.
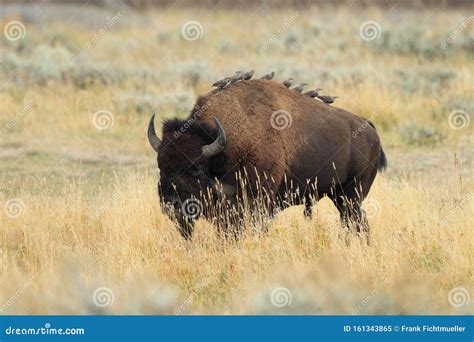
(290, 147)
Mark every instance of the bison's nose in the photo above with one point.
(176, 203)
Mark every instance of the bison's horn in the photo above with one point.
(152, 138)
(218, 145)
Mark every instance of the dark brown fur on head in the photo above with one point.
(184, 171)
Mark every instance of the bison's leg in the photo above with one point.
(352, 215)
(186, 229)
(308, 208)
(348, 198)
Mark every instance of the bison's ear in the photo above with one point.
(152, 138)
(218, 145)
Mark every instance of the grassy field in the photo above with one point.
(81, 230)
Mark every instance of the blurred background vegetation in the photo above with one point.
(246, 4)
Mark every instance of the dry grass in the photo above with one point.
(89, 216)
(73, 243)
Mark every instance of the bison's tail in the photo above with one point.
(382, 161)
(382, 165)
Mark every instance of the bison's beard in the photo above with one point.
(185, 226)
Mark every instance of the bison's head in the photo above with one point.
(190, 159)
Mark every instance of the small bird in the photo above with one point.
(227, 81)
(299, 88)
(327, 99)
(236, 77)
(222, 83)
(248, 75)
(313, 93)
(268, 76)
(288, 82)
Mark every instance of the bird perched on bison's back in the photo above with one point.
(327, 99)
(248, 75)
(222, 83)
(299, 88)
(313, 93)
(227, 81)
(268, 76)
(237, 77)
(288, 82)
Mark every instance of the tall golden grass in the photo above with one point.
(64, 247)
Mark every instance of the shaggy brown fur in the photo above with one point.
(318, 148)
